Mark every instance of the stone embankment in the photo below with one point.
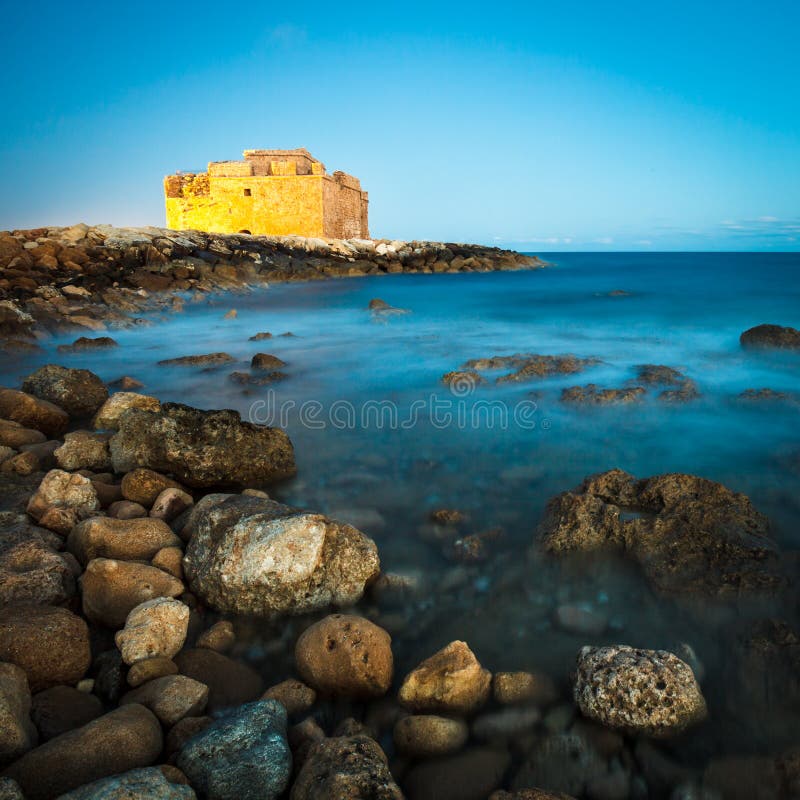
(97, 277)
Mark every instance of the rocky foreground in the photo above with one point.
(137, 540)
(95, 277)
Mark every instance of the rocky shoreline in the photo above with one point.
(99, 277)
(138, 542)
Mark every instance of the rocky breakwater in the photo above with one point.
(93, 277)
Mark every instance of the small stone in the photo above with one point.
(426, 735)
(230, 683)
(50, 644)
(524, 687)
(126, 384)
(59, 519)
(649, 692)
(143, 486)
(346, 655)
(121, 740)
(170, 503)
(293, 695)
(17, 733)
(156, 628)
(147, 782)
(219, 637)
(450, 681)
(125, 509)
(123, 539)
(63, 708)
(170, 559)
(509, 723)
(243, 755)
(14, 435)
(107, 417)
(79, 392)
(112, 589)
(150, 668)
(230, 314)
(347, 767)
(170, 698)
(63, 490)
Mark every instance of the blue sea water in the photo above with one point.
(380, 440)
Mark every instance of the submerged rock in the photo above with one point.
(428, 735)
(462, 381)
(591, 394)
(250, 555)
(205, 360)
(648, 692)
(241, 756)
(771, 336)
(88, 343)
(352, 767)
(689, 534)
(532, 365)
(470, 775)
(201, 448)
(266, 361)
(79, 392)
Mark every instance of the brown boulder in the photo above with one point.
(79, 392)
(63, 708)
(773, 336)
(170, 698)
(136, 539)
(31, 412)
(143, 486)
(112, 589)
(346, 655)
(51, 644)
(121, 740)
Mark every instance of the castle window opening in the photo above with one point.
(248, 193)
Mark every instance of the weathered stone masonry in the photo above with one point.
(270, 192)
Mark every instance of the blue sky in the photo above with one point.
(544, 126)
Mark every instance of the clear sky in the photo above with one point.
(541, 125)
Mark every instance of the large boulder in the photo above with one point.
(119, 741)
(354, 767)
(649, 692)
(51, 644)
(201, 448)
(146, 782)
(31, 568)
(689, 534)
(31, 412)
(451, 681)
(346, 655)
(241, 756)
(251, 555)
(771, 336)
(79, 392)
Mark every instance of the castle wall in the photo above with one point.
(345, 208)
(276, 205)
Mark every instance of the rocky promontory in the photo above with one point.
(95, 277)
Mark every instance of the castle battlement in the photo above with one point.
(270, 192)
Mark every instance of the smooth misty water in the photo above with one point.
(684, 310)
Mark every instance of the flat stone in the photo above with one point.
(149, 669)
(124, 539)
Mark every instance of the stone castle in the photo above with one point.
(270, 192)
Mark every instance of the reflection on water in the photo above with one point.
(387, 468)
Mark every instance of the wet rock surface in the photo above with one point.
(256, 556)
(201, 448)
(771, 336)
(639, 691)
(79, 392)
(242, 756)
(688, 534)
(147, 782)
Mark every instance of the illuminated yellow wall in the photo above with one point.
(269, 193)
